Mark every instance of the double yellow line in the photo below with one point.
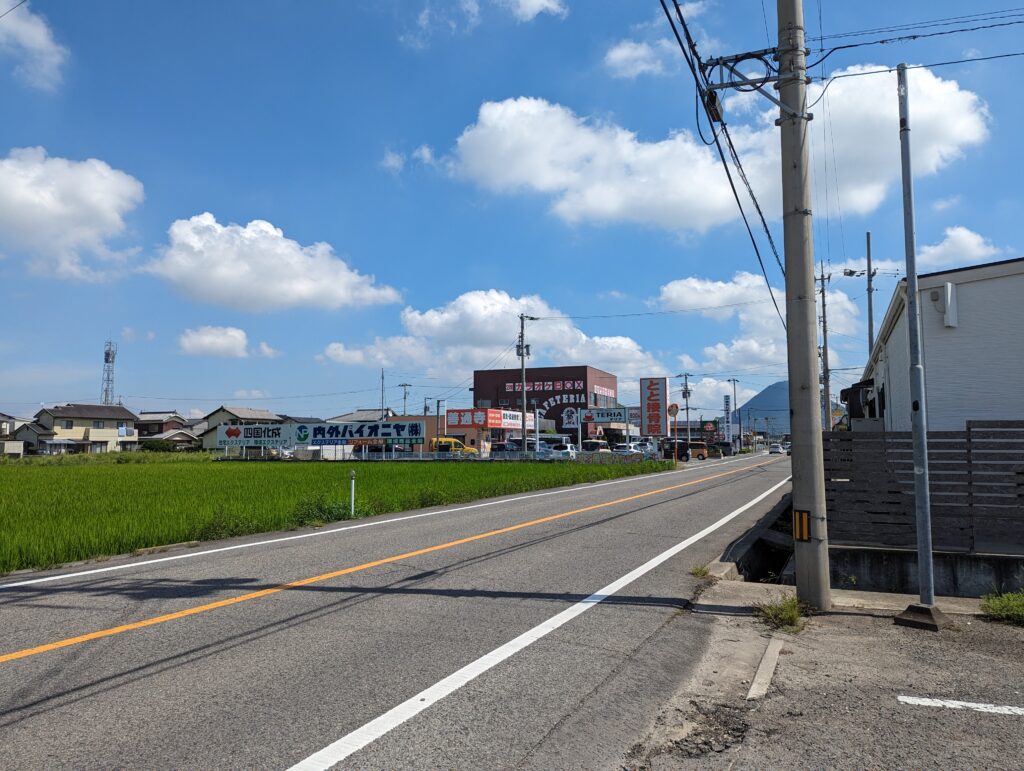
(110, 632)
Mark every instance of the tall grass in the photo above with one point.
(55, 513)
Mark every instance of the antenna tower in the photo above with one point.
(109, 354)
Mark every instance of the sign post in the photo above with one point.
(673, 411)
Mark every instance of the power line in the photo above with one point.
(884, 70)
(653, 313)
(947, 21)
(907, 38)
(702, 93)
(13, 8)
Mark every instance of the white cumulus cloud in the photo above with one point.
(255, 267)
(631, 58)
(392, 162)
(224, 342)
(958, 248)
(60, 213)
(600, 172)
(267, 352)
(528, 10)
(28, 39)
(478, 329)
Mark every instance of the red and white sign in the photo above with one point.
(654, 406)
(487, 418)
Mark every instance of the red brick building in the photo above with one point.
(558, 393)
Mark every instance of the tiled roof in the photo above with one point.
(248, 413)
(92, 411)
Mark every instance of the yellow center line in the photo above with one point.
(99, 634)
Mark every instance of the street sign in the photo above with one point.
(654, 406)
(673, 410)
(710, 426)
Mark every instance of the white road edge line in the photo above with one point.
(353, 742)
(952, 704)
(336, 530)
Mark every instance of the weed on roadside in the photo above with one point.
(786, 614)
(699, 571)
(1007, 607)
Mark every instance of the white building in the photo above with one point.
(972, 330)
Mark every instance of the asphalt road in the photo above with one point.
(265, 655)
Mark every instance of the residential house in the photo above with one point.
(81, 428)
(151, 423)
(362, 415)
(972, 349)
(233, 416)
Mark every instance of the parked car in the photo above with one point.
(775, 449)
(595, 445)
(699, 450)
(627, 448)
(451, 446)
(563, 452)
(675, 448)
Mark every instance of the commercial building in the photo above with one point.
(557, 393)
(972, 349)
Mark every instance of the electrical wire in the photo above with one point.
(884, 70)
(947, 21)
(13, 8)
(692, 64)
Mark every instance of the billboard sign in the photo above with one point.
(728, 419)
(256, 435)
(654, 406)
(634, 415)
(487, 418)
(606, 415)
(380, 432)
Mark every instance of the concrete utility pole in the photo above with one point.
(523, 351)
(736, 406)
(871, 308)
(924, 615)
(405, 397)
(686, 398)
(382, 393)
(811, 554)
(437, 421)
(825, 373)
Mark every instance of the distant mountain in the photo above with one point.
(773, 403)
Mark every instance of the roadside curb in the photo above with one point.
(728, 566)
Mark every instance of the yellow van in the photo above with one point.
(451, 446)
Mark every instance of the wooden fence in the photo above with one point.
(977, 488)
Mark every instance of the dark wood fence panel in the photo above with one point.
(977, 488)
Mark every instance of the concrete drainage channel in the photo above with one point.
(765, 554)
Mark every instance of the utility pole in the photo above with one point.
(811, 554)
(686, 398)
(871, 309)
(923, 615)
(405, 397)
(825, 374)
(382, 394)
(523, 351)
(736, 406)
(437, 421)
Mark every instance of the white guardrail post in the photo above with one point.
(352, 496)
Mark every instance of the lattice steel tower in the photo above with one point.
(109, 354)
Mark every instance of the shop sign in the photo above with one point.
(654, 406)
(606, 415)
(327, 434)
(256, 435)
(487, 418)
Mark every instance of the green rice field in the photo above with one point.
(56, 512)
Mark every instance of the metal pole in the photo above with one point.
(826, 373)
(382, 393)
(735, 406)
(871, 309)
(352, 496)
(919, 413)
(437, 420)
(812, 573)
(405, 397)
(522, 373)
(536, 428)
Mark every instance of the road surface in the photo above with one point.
(536, 630)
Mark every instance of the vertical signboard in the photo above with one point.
(654, 406)
(728, 420)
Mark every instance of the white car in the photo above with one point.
(775, 449)
(563, 452)
(627, 448)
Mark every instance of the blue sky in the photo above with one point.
(264, 203)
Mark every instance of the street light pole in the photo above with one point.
(405, 397)
(736, 406)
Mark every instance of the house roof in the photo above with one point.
(998, 263)
(174, 432)
(294, 419)
(95, 411)
(362, 416)
(37, 429)
(247, 413)
(148, 416)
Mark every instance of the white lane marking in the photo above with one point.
(334, 531)
(356, 740)
(952, 704)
